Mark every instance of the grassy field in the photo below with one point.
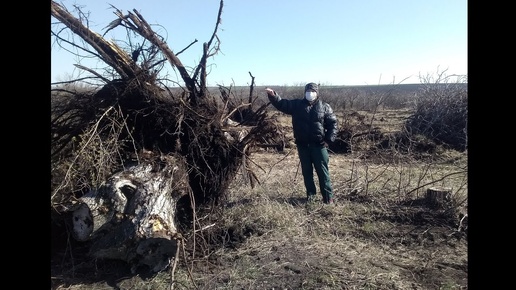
(380, 234)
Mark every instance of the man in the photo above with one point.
(315, 126)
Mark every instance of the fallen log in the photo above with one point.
(131, 217)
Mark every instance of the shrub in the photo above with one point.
(441, 114)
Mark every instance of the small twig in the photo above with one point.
(434, 181)
(233, 111)
(93, 72)
(186, 47)
(188, 268)
(297, 170)
(173, 269)
(282, 160)
(205, 227)
(461, 221)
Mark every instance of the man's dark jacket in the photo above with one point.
(312, 124)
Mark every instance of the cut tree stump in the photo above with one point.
(438, 197)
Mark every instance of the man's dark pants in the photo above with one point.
(315, 157)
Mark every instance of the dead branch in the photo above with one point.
(144, 29)
(92, 72)
(435, 181)
(206, 54)
(109, 52)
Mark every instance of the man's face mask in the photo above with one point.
(310, 96)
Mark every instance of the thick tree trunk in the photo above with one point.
(131, 217)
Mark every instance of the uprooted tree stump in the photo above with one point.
(132, 216)
(133, 159)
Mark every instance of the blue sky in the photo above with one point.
(292, 42)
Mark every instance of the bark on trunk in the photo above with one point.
(437, 197)
(131, 217)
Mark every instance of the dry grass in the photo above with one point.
(353, 243)
(379, 235)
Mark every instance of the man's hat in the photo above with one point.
(312, 86)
